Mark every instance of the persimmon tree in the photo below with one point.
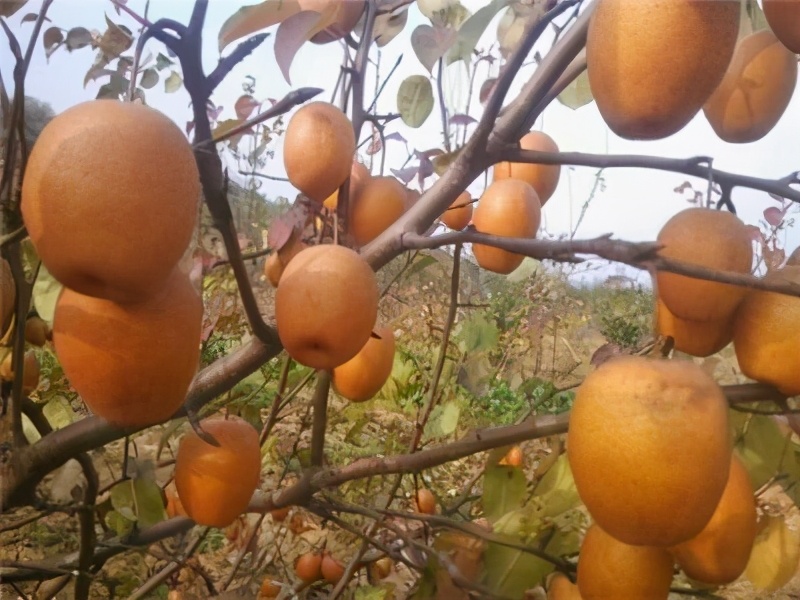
(521, 526)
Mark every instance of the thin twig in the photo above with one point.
(320, 422)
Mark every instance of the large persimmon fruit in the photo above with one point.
(380, 203)
(318, 149)
(131, 363)
(543, 178)
(326, 305)
(698, 338)
(459, 214)
(783, 17)
(215, 483)
(650, 448)
(110, 198)
(508, 208)
(361, 377)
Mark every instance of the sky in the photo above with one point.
(632, 204)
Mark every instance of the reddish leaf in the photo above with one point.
(189, 127)
(461, 119)
(245, 106)
(375, 145)
(487, 87)
(297, 30)
(405, 175)
(9, 7)
(31, 17)
(52, 39)
(774, 215)
(79, 37)
(755, 234)
(431, 43)
(250, 19)
(395, 136)
(280, 230)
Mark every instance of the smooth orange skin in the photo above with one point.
(174, 506)
(561, 588)
(309, 567)
(110, 198)
(359, 175)
(698, 338)
(513, 458)
(326, 305)
(508, 208)
(719, 553)
(610, 569)
(131, 364)
(381, 203)
(348, 14)
(36, 331)
(332, 570)
(458, 216)
(363, 376)
(650, 448)
(215, 484)
(543, 178)
(318, 149)
(708, 238)
(269, 589)
(783, 17)
(652, 65)
(425, 501)
(411, 198)
(755, 91)
(766, 335)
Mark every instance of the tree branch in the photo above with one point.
(320, 422)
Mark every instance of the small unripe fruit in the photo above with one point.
(425, 501)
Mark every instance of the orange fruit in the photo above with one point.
(348, 12)
(326, 305)
(215, 484)
(309, 567)
(425, 501)
(277, 261)
(318, 149)
(30, 371)
(381, 568)
(132, 364)
(755, 91)
(513, 457)
(361, 377)
(273, 269)
(653, 64)
(650, 448)
(766, 335)
(36, 331)
(508, 208)
(332, 570)
(709, 238)
(719, 553)
(543, 178)
(411, 198)
(783, 17)
(8, 296)
(609, 568)
(561, 588)
(110, 198)
(359, 175)
(269, 589)
(380, 203)
(698, 338)
(174, 506)
(458, 216)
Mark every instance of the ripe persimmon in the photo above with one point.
(650, 448)
(308, 567)
(326, 305)
(766, 334)
(269, 589)
(425, 501)
(361, 377)
(380, 203)
(756, 89)
(215, 483)
(359, 175)
(783, 17)
(609, 568)
(31, 371)
(458, 216)
(698, 338)
(132, 364)
(36, 331)
(513, 457)
(318, 149)
(561, 588)
(709, 238)
(543, 178)
(508, 208)
(332, 570)
(110, 198)
(719, 553)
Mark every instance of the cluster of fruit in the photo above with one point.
(653, 66)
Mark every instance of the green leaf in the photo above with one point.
(510, 572)
(173, 82)
(118, 523)
(58, 412)
(149, 503)
(448, 421)
(441, 162)
(250, 19)
(374, 592)
(471, 31)
(526, 270)
(577, 93)
(29, 430)
(415, 100)
(504, 490)
(422, 263)
(558, 479)
(149, 79)
(45, 294)
(122, 499)
(477, 333)
(163, 61)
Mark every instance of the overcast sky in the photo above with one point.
(633, 205)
